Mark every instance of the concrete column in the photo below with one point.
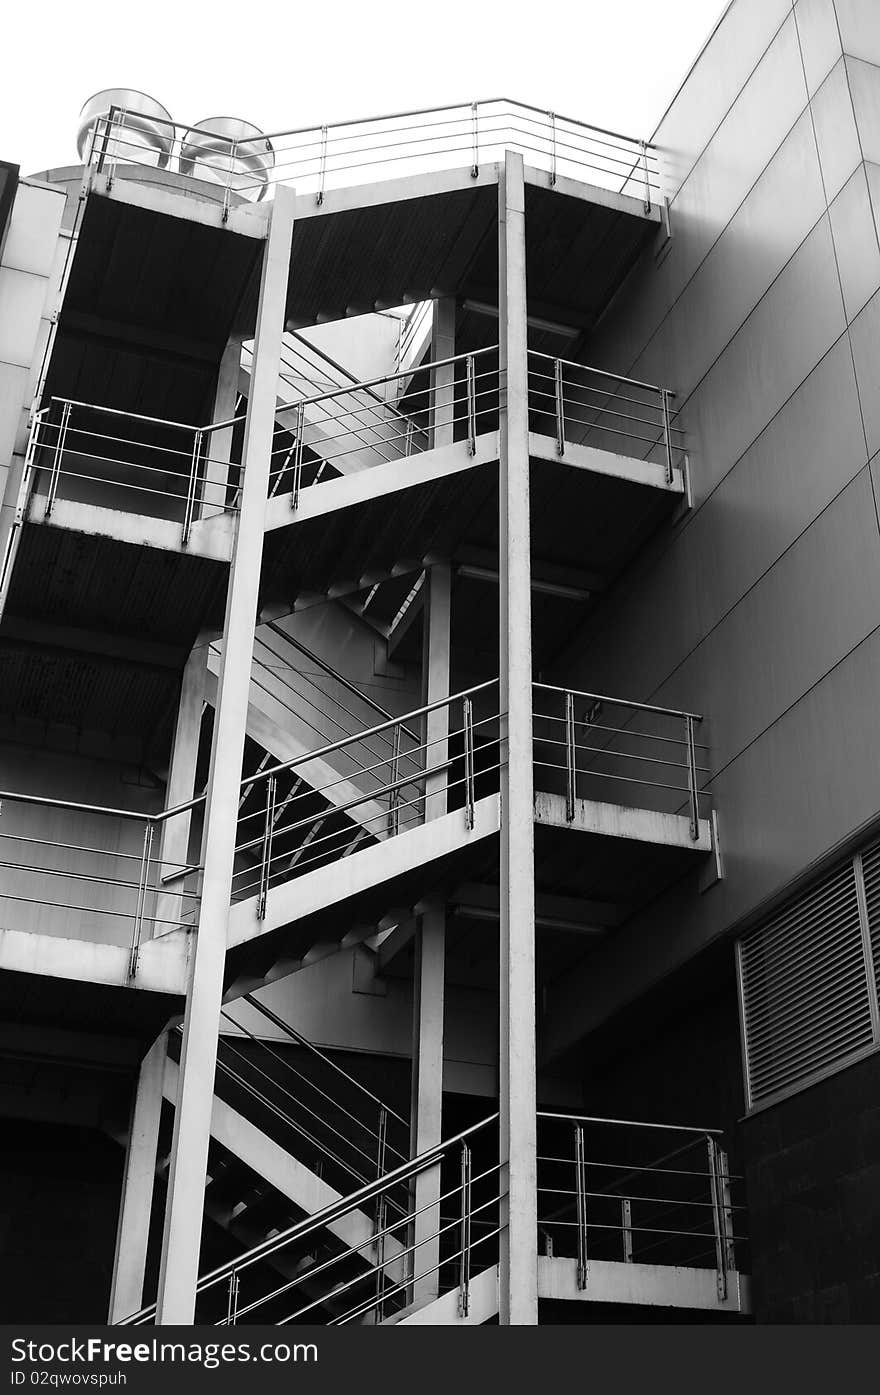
(174, 847)
(442, 347)
(219, 443)
(427, 1093)
(133, 1230)
(192, 1122)
(519, 1278)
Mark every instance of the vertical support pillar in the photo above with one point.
(192, 1121)
(133, 1230)
(174, 847)
(443, 347)
(427, 1093)
(519, 1277)
(218, 448)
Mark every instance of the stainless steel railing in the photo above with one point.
(580, 404)
(76, 866)
(296, 819)
(125, 460)
(375, 1277)
(620, 1190)
(587, 745)
(318, 159)
(335, 432)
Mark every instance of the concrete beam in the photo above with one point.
(643, 1285)
(162, 963)
(380, 481)
(213, 542)
(606, 462)
(618, 821)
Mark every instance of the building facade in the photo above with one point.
(440, 810)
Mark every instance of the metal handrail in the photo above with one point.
(316, 1051)
(619, 702)
(319, 1220)
(390, 377)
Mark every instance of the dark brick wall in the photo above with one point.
(813, 1170)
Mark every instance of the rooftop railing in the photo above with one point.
(317, 159)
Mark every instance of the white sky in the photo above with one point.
(614, 63)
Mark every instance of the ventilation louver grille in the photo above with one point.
(808, 986)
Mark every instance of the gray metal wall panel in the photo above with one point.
(820, 39)
(728, 58)
(836, 133)
(859, 31)
(855, 242)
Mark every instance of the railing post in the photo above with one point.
(140, 906)
(570, 758)
(626, 1227)
(105, 140)
(52, 488)
(559, 389)
(410, 432)
(552, 115)
(726, 1208)
(297, 454)
(119, 114)
(693, 784)
(471, 405)
(323, 170)
(644, 149)
(192, 487)
(580, 1173)
(394, 791)
(266, 850)
(475, 136)
(665, 395)
(464, 1282)
(469, 786)
(232, 1300)
(380, 1213)
(717, 1226)
(233, 152)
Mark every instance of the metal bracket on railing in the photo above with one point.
(322, 175)
(552, 115)
(141, 904)
(266, 851)
(570, 758)
(192, 488)
(693, 784)
(560, 406)
(52, 488)
(626, 1227)
(475, 136)
(297, 455)
(469, 790)
(667, 433)
(232, 1300)
(717, 1219)
(464, 1281)
(471, 405)
(580, 1170)
(643, 145)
